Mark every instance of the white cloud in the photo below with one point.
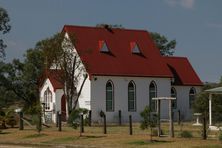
(189, 4)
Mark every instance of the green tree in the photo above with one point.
(4, 28)
(21, 78)
(166, 47)
(201, 102)
(149, 120)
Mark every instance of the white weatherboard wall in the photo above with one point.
(84, 99)
(98, 96)
(183, 100)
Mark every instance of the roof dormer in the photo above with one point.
(103, 46)
(134, 48)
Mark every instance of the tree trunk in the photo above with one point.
(79, 93)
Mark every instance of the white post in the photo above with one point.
(210, 110)
(171, 119)
(158, 118)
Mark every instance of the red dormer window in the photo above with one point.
(103, 46)
(134, 47)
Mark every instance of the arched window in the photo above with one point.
(131, 96)
(109, 96)
(47, 98)
(153, 94)
(192, 94)
(174, 95)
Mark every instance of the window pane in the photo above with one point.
(153, 102)
(131, 97)
(109, 97)
(191, 97)
(152, 91)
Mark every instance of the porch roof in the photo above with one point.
(217, 90)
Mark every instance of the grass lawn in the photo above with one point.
(116, 137)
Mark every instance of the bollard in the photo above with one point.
(90, 117)
(204, 134)
(120, 118)
(178, 117)
(60, 122)
(57, 118)
(81, 124)
(104, 125)
(21, 125)
(130, 125)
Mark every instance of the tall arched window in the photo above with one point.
(174, 95)
(153, 94)
(192, 94)
(47, 98)
(109, 96)
(131, 96)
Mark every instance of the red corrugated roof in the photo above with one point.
(54, 75)
(120, 61)
(183, 71)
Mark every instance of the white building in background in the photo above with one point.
(125, 71)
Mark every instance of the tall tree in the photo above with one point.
(4, 28)
(21, 78)
(59, 54)
(166, 47)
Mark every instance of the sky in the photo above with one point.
(195, 24)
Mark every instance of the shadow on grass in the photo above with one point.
(90, 136)
(208, 146)
(35, 136)
(148, 142)
(2, 133)
(70, 139)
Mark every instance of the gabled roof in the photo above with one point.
(183, 72)
(54, 75)
(119, 61)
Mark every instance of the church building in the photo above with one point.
(126, 70)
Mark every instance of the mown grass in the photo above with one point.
(117, 136)
(147, 142)
(35, 136)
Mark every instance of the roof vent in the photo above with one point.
(134, 47)
(103, 46)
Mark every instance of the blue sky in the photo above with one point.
(195, 24)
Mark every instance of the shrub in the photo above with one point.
(149, 120)
(11, 121)
(36, 119)
(220, 136)
(2, 113)
(186, 134)
(74, 117)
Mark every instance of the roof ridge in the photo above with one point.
(174, 57)
(94, 27)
